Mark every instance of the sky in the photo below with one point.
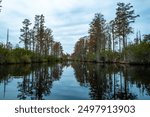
(69, 19)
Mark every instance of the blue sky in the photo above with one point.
(69, 19)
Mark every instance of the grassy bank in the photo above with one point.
(20, 55)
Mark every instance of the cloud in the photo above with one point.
(69, 19)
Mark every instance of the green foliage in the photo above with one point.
(20, 55)
(110, 56)
(25, 59)
(91, 56)
(3, 54)
(20, 52)
(52, 59)
(138, 53)
(10, 60)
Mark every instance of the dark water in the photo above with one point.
(74, 81)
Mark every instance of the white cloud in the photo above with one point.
(69, 19)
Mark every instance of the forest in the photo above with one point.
(39, 45)
(106, 42)
(109, 42)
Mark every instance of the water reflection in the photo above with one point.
(103, 82)
(36, 80)
(114, 81)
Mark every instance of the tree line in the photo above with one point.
(38, 41)
(109, 41)
(106, 41)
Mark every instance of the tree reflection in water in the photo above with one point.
(39, 82)
(36, 80)
(103, 81)
(113, 82)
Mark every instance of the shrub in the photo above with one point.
(138, 53)
(25, 59)
(11, 60)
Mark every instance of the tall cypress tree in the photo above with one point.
(97, 33)
(48, 41)
(25, 36)
(124, 17)
(39, 29)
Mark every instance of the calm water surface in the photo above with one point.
(74, 81)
